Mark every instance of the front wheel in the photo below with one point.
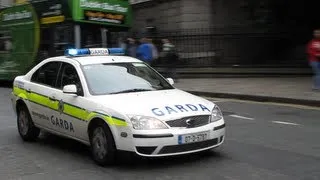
(102, 145)
(26, 128)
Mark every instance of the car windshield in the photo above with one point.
(115, 78)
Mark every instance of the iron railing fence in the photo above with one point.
(229, 46)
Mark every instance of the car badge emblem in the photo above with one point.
(189, 122)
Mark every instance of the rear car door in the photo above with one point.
(42, 90)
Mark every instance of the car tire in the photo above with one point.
(26, 127)
(103, 147)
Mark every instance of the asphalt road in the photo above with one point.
(264, 141)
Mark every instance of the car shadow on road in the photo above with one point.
(142, 163)
(126, 160)
(62, 144)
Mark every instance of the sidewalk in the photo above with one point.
(213, 72)
(283, 90)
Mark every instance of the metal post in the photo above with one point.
(77, 36)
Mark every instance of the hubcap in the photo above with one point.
(99, 143)
(23, 122)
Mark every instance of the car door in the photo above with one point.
(73, 104)
(42, 90)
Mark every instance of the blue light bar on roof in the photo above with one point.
(77, 52)
(116, 51)
(94, 52)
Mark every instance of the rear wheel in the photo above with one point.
(26, 128)
(103, 148)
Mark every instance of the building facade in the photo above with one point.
(173, 14)
(227, 32)
(5, 3)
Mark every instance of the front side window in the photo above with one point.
(47, 74)
(69, 76)
(122, 77)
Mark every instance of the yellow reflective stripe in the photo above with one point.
(75, 111)
(116, 122)
(53, 105)
(36, 98)
(39, 99)
(84, 115)
(20, 92)
(110, 120)
(70, 110)
(92, 115)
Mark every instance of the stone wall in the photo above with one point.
(173, 14)
(196, 14)
(242, 32)
(179, 18)
(164, 15)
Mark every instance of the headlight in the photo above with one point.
(147, 123)
(216, 114)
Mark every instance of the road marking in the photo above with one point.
(286, 123)
(274, 103)
(241, 117)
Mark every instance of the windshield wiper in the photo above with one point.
(161, 87)
(131, 90)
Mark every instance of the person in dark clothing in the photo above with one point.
(131, 48)
(313, 50)
(170, 58)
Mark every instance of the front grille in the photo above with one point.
(188, 147)
(194, 121)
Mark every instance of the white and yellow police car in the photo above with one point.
(112, 102)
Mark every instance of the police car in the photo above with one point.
(112, 102)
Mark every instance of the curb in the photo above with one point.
(258, 98)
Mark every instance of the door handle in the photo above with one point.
(28, 90)
(52, 98)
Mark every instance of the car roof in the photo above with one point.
(86, 60)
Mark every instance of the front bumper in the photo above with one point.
(166, 142)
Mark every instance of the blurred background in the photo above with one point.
(225, 36)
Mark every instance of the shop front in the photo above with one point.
(36, 29)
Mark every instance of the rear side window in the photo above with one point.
(47, 74)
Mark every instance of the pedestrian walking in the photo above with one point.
(144, 51)
(170, 58)
(313, 50)
(122, 43)
(155, 53)
(131, 47)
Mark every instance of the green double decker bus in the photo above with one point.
(38, 29)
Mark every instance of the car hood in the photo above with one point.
(163, 104)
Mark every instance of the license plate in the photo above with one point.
(191, 138)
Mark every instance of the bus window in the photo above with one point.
(5, 42)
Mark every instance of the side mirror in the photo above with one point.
(170, 80)
(70, 89)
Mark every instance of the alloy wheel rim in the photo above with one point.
(23, 123)
(99, 143)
